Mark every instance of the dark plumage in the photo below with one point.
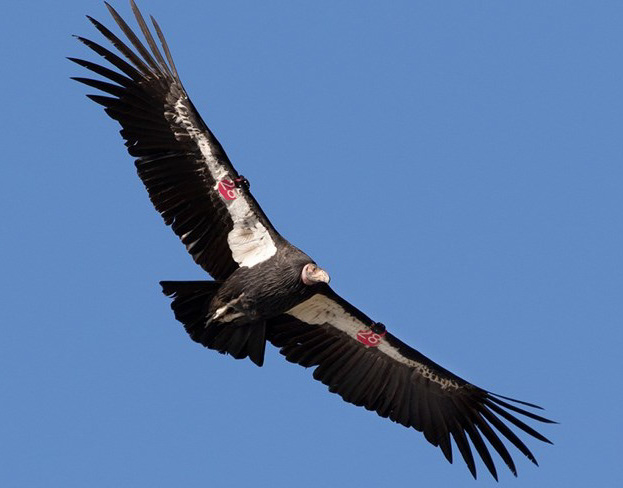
(265, 288)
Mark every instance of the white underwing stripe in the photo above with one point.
(320, 309)
(250, 244)
(249, 240)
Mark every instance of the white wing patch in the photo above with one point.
(249, 241)
(320, 309)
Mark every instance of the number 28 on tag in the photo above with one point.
(369, 338)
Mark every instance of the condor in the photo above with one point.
(266, 289)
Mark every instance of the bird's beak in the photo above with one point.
(320, 275)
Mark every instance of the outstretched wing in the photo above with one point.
(369, 367)
(188, 176)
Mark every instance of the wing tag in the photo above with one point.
(227, 189)
(369, 338)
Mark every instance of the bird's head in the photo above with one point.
(313, 274)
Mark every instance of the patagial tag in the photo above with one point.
(369, 338)
(227, 189)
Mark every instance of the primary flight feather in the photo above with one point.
(266, 289)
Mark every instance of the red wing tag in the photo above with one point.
(369, 338)
(227, 189)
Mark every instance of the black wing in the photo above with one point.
(188, 176)
(367, 366)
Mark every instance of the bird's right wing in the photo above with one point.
(367, 366)
(188, 176)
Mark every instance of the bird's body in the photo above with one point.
(233, 313)
(267, 290)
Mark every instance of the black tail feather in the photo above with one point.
(191, 300)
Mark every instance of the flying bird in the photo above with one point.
(264, 288)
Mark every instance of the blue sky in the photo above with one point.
(456, 166)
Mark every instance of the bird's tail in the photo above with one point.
(191, 300)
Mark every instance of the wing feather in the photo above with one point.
(494, 440)
(149, 38)
(386, 375)
(180, 162)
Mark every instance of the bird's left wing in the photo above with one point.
(188, 176)
(367, 366)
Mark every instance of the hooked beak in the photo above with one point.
(321, 275)
(313, 274)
